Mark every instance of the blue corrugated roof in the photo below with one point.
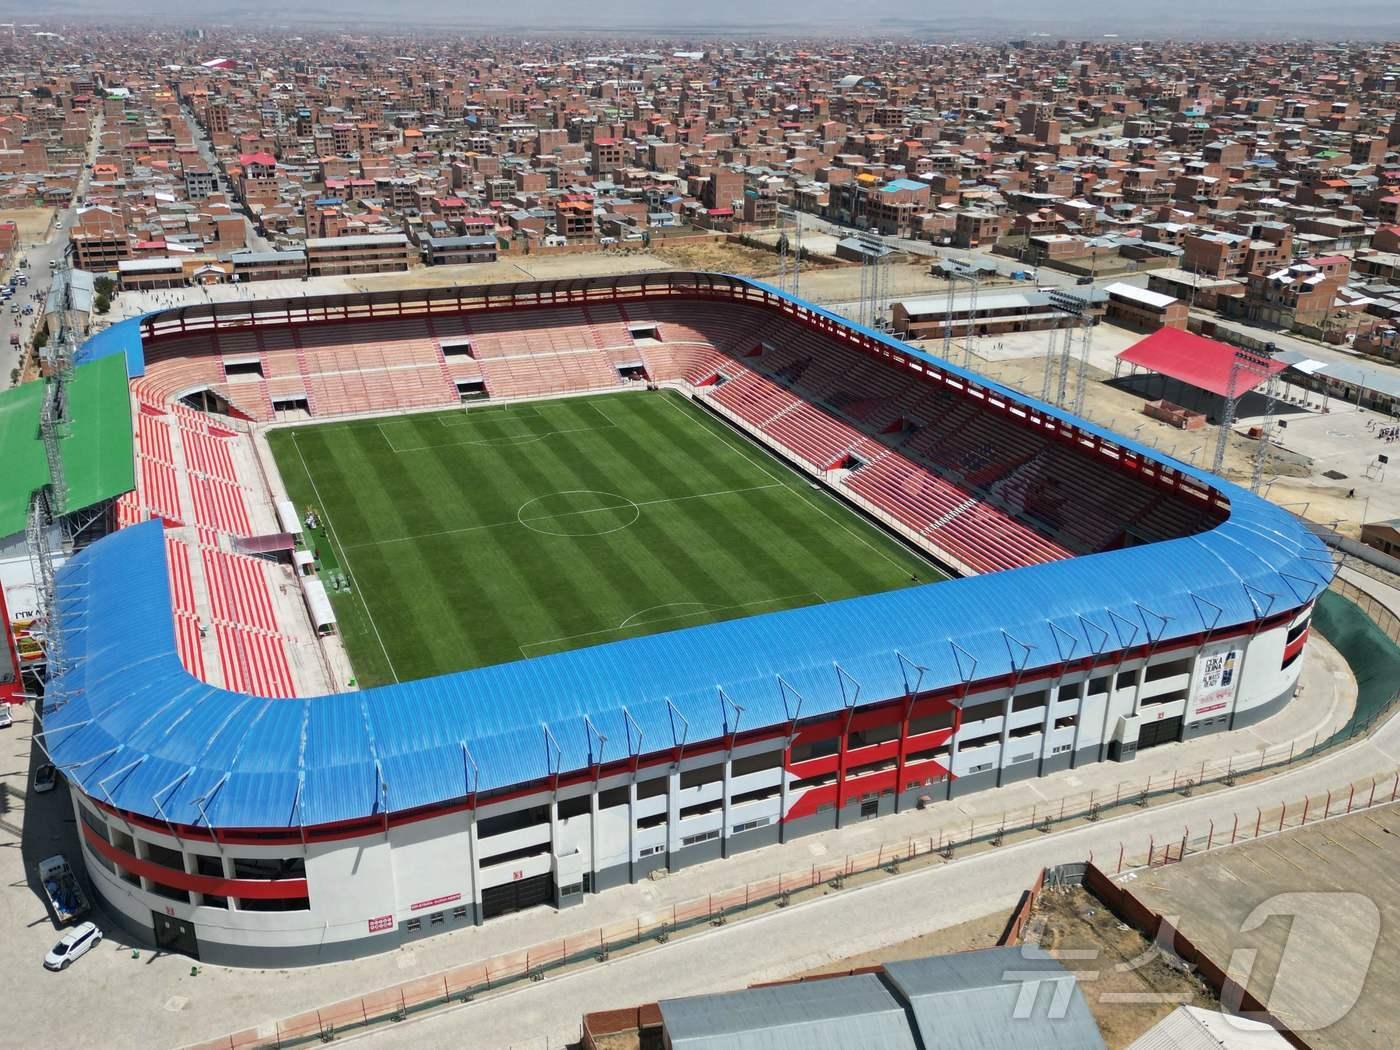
(140, 731)
(124, 337)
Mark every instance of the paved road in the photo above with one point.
(859, 919)
(40, 254)
(206, 153)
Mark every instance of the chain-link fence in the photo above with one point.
(1342, 620)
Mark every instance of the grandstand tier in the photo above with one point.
(1113, 600)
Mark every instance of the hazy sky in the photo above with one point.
(923, 18)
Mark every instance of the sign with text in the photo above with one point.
(1217, 673)
(380, 923)
(434, 902)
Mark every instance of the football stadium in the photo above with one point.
(361, 617)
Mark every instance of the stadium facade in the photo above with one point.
(297, 829)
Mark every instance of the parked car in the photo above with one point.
(28, 308)
(76, 943)
(45, 779)
(6, 719)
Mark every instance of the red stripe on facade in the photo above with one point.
(873, 714)
(250, 889)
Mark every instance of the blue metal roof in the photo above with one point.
(136, 729)
(124, 337)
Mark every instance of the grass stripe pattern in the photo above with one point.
(499, 532)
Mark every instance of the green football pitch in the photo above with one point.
(499, 532)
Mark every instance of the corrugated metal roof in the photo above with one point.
(1009, 998)
(843, 1013)
(278, 763)
(1191, 1028)
(124, 337)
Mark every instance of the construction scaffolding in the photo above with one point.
(954, 274)
(789, 273)
(1248, 370)
(874, 280)
(1079, 330)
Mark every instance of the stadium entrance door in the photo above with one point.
(1161, 732)
(517, 895)
(175, 935)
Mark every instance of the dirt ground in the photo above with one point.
(714, 253)
(33, 223)
(1128, 984)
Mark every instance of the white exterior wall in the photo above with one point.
(437, 863)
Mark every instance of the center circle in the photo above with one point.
(578, 512)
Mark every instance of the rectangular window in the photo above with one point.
(437, 918)
(95, 822)
(574, 807)
(1028, 701)
(820, 780)
(413, 925)
(931, 723)
(612, 797)
(756, 763)
(933, 754)
(977, 712)
(1125, 680)
(487, 827)
(750, 825)
(459, 913)
(1069, 691)
(213, 901)
(166, 858)
(285, 904)
(652, 788)
(757, 795)
(651, 851)
(979, 741)
(1156, 672)
(656, 820)
(873, 735)
(458, 350)
(701, 808)
(703, 775)
(704, 836)
(211, 866)
(1297, 632)
(170, 892)
(573, 889)
(274, 868)
(1060, 749)
(243, 368)
(515, 854)
(815, 749)
(1098, 685)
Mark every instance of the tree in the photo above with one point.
(101, 303)
(104, 286)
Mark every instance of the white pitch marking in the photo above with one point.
(562, 514)
(678, 616)
(345, 552)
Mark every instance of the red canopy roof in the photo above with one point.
(1201, 362)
